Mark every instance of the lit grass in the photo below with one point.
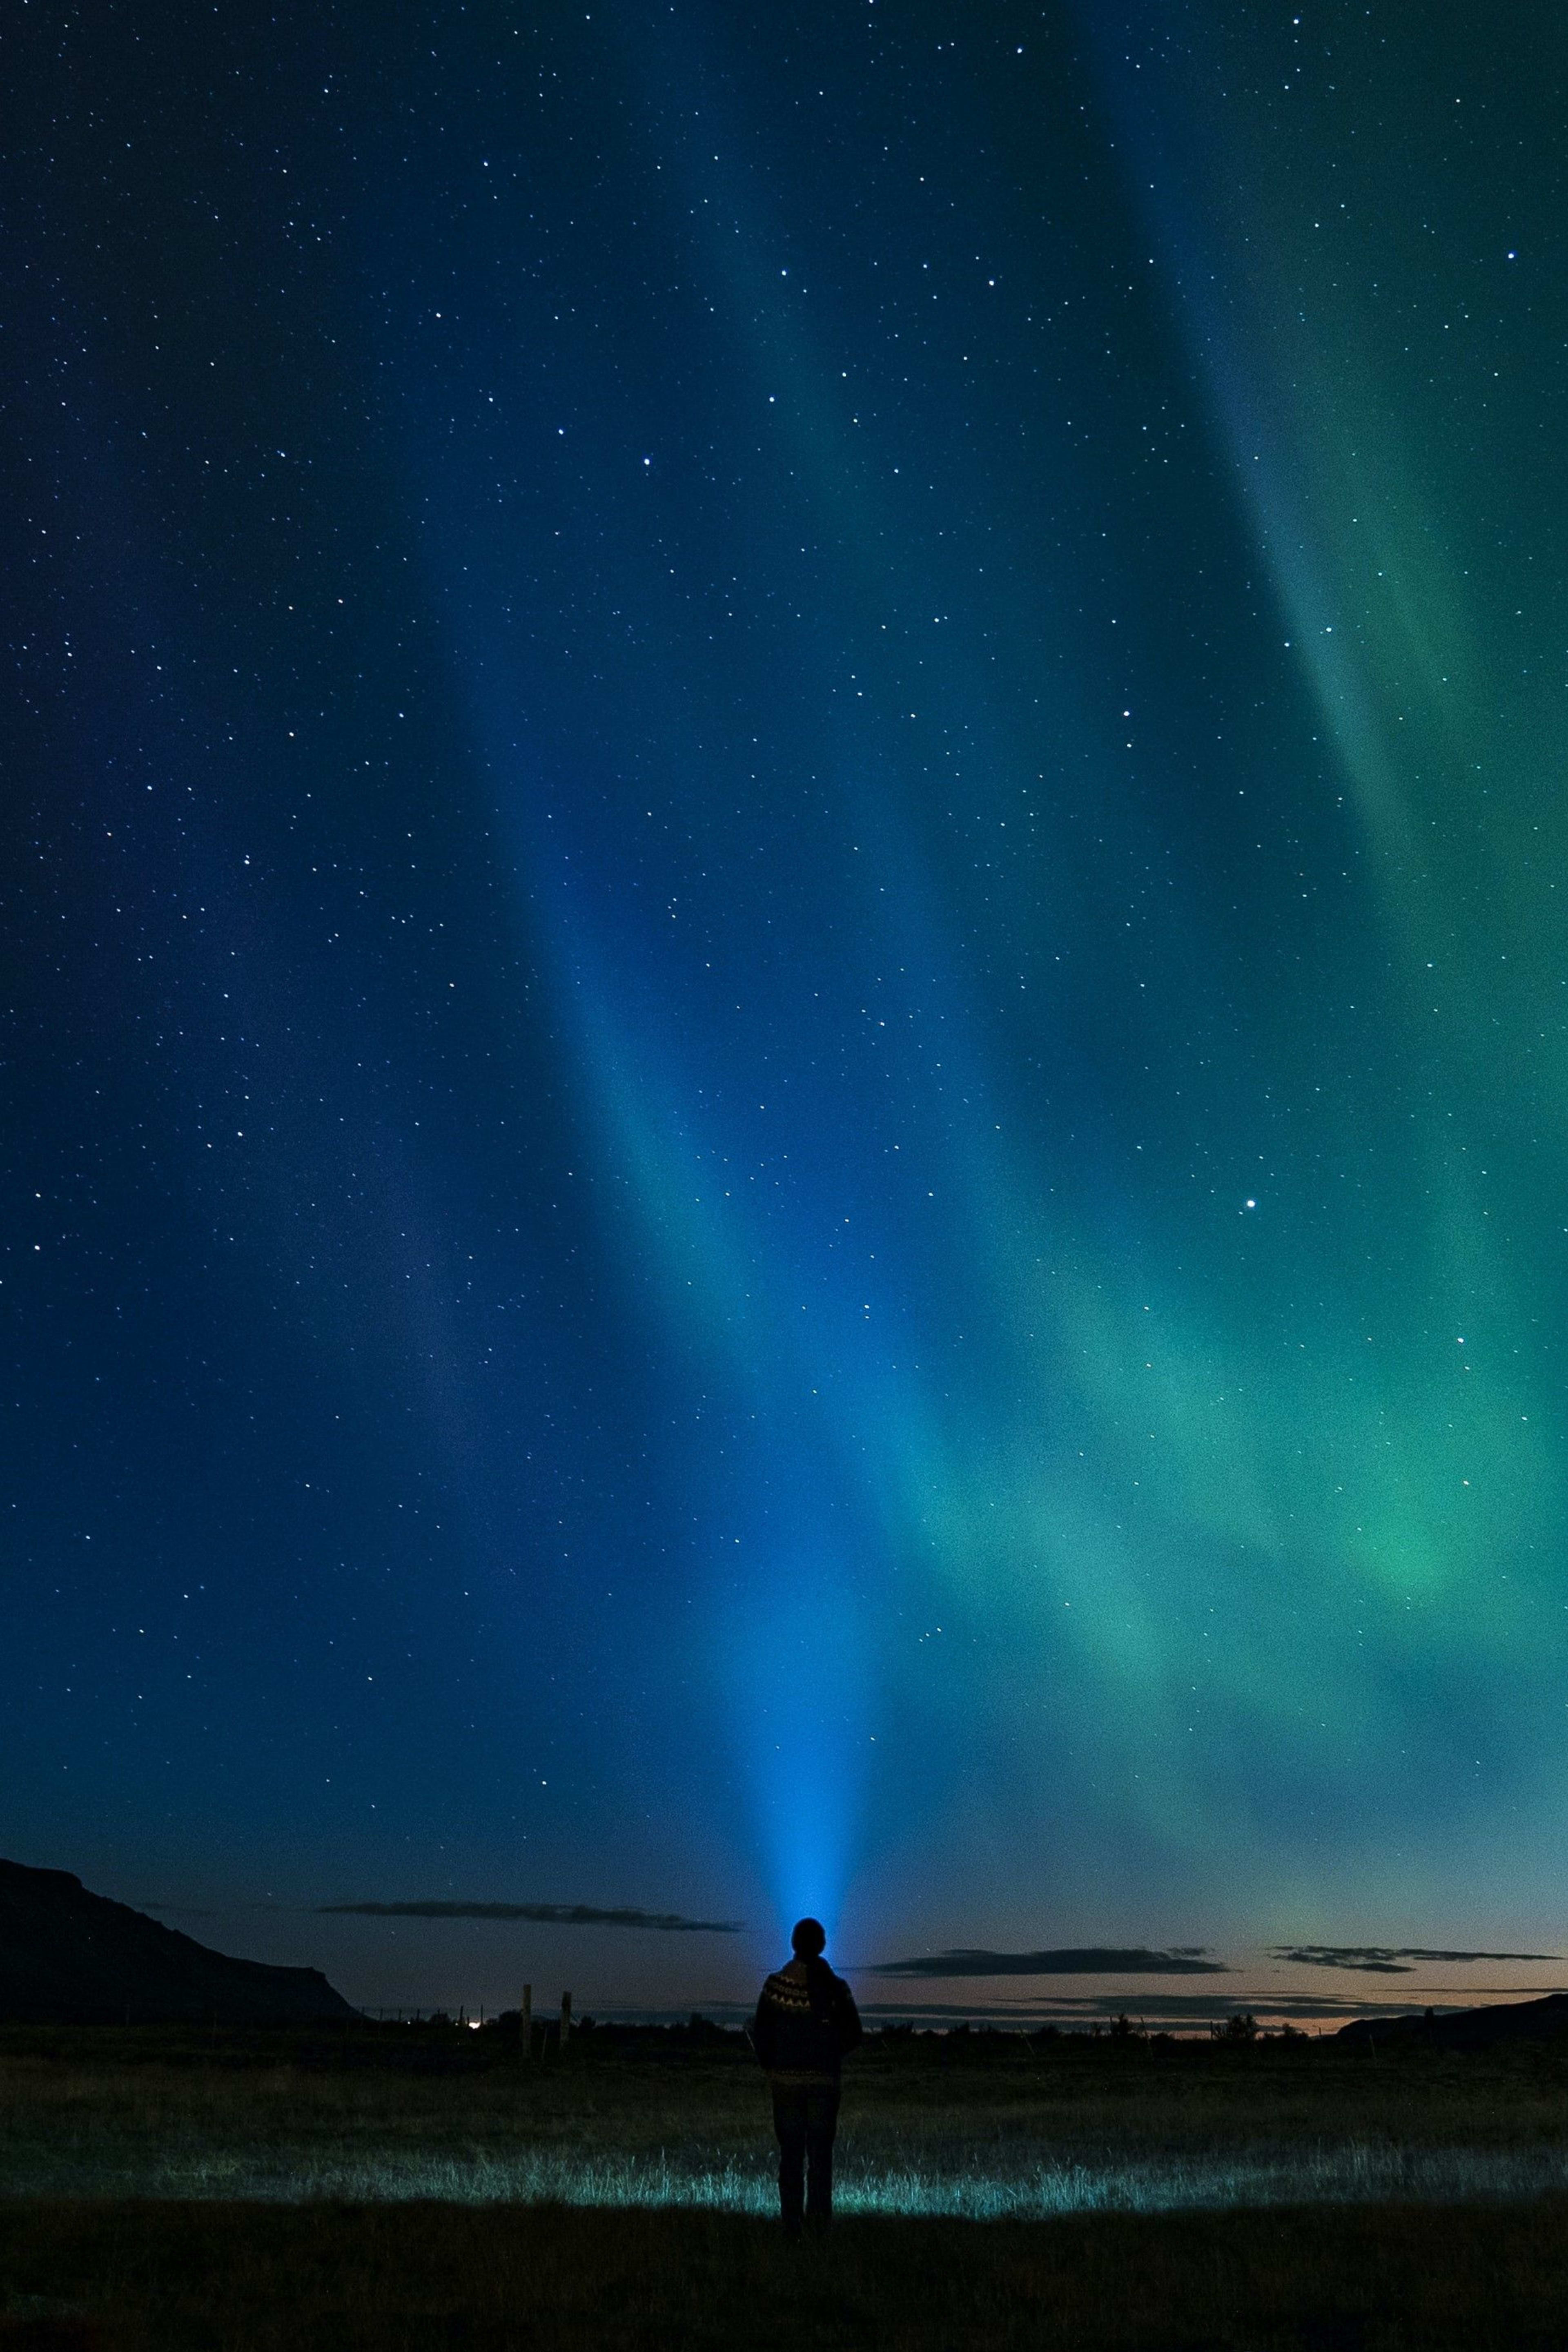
(1031, 2184)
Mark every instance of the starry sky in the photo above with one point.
(785, 1007)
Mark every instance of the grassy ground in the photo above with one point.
(999, 2129)
(161, 2278)
(429, 2190)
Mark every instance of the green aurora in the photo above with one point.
(840, 1111)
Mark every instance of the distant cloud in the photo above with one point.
(1155, 2007)
(1372, 1963)
(1090, 1960)
(541, 1915)
(1378, 1959)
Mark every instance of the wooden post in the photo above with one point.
(526, 2024)
(565, 2018)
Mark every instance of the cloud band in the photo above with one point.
(1383, 1959)
(540, 1914)
(1090, 1961)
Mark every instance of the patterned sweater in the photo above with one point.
(806, 2020)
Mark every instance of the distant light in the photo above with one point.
(1252, 1204)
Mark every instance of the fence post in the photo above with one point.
(526, 2024)
(565, 2018)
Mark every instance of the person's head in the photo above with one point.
(808, 1939)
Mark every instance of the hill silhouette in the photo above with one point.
(1467, 2028)
(70, 1958)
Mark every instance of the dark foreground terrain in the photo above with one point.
(428, 2186)
(155, 2278)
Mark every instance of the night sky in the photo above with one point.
(785, 1002)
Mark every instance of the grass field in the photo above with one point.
(426, 2188)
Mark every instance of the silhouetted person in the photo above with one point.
(806, 2020)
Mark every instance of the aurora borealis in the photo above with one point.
(786, 1009)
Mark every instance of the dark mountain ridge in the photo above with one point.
(1467, 2028)
(70, 1958)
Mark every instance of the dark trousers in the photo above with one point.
(806, 2117)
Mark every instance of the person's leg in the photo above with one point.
(789, 2123)
(821, 2121)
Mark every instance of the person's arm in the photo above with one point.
(851, 2031)
(762, 2031)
